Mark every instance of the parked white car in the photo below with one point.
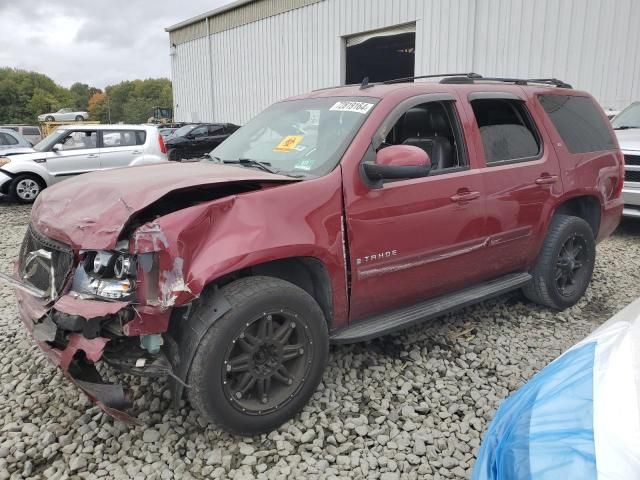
(30, 132)
(627, 127)
(62, 115)
(10, 139)
(72, 150)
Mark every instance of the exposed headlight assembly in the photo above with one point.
(105, 274)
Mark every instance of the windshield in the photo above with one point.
(182, 131)
(46, 143)
(298, 137)
(628, 118)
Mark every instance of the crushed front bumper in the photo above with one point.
(76, 355)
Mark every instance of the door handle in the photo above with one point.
(93, 155)
(136, 152)
(464, 196)
(546, 179)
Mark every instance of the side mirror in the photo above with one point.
(397, 162)
(57, 147)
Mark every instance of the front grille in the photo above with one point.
(632, 159)
(61, 259)
(631, 176)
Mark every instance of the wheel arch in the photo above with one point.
(587, 207)
(308, 273)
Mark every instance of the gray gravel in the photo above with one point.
(408, 406)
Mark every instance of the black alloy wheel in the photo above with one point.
(267, 362)
(564, 266)
(571, 265)
(258, 364)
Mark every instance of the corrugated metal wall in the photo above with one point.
(589, 43)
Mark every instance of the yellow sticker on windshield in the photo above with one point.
(288, 143)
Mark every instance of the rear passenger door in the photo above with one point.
(217, 135)
(121, 147)
(521, 177)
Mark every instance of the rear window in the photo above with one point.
(123, 138)
(6, 139)
(579, 122)
(507, 131)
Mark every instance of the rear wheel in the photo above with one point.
(565, 264)
(25, 188)
(259, 364)
(173, 155)
(79, 118)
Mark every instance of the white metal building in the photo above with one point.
(230, 63)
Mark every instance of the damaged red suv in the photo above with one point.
(336, 216)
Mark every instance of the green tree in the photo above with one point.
(25, 95)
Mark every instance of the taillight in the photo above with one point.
(163, 147)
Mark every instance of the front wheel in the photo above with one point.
(49, 118)
(564, 267)
(259, 364)
(25, 188)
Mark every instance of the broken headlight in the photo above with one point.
(104, 274)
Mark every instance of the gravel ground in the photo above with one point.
(412, 405)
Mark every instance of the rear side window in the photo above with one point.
(123, 138)
(30, 131)
(579, 123)
(507, 131)
(6, 139)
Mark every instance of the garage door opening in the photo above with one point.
(381, 55)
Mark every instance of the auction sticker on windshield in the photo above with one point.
(288, 143)
(358, 107)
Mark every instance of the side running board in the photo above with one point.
(394, 320)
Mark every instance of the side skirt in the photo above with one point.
(404, 317)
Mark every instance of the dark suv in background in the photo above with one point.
(197, 139)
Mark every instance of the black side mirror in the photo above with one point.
(397, 162)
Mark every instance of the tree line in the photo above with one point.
(24, 95)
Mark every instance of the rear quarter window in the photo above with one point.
(579, 122)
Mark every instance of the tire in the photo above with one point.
(564, 266)
(172, 155)
(79, 118)
(235, 400)
(25, 188)
(49, 118)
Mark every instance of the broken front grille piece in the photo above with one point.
(44, 263)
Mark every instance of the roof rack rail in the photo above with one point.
(457, 78)
(469, 75)
(516, 81)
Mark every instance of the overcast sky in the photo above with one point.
(94, 42)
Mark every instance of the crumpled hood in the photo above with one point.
(629, 140)
(90, 210)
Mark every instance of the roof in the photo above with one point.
(99, 126)
(484, 87)
(210, 13)
(235, 14)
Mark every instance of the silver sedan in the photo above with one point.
(62, 115)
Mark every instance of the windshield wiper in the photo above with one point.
(264, 166)
(625, 127)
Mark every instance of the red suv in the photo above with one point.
(335, 216)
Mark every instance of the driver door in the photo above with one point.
(79, 154)
(417, 238)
